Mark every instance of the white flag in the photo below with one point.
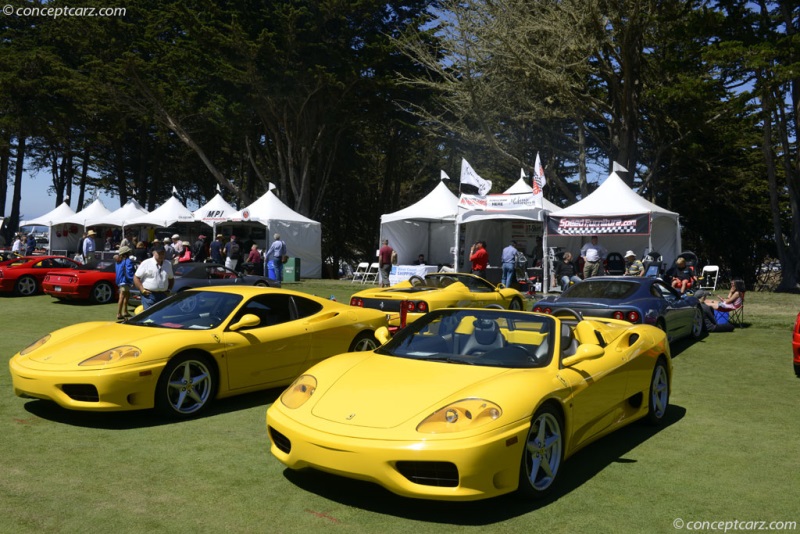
(539, 180)
(469, 176)
(272, 186)
(618, 168)
(444, 176)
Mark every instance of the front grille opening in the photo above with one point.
(280, 441)
(440, 474)
(81, 392)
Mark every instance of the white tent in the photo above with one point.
(497, 219)
(95, 210)
(302, 235)
(120, 217)
(620, 218)
(169, 213)
(50, 218)
(522, 186)
(426, 227)
(215, 211)
(63, 236)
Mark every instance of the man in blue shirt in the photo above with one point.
(509, 259)
(275, 254)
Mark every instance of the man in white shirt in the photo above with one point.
(154, 278)
(89, 248)
(593, 256)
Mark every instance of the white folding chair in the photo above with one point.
(361, 270)
(371, 275)
(708, 277)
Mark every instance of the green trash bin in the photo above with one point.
(291, 270)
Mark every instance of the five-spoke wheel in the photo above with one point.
(102, 293)
(543, 453)
(659, 393)
(186, 386)
(26, 286)
(364, 341)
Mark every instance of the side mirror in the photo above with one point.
(499, 286)
(382, 334)
(247, 321)
(584, 352)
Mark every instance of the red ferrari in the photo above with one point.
(97, 284)
(796, 345)
(24, 275)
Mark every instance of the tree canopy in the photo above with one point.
(351, 107)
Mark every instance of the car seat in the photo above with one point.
(484, 338)
(615, 263)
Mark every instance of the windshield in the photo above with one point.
(477, 337)
(601, 289)
(189, 310)
(473, 283)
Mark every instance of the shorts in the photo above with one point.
(124, 289)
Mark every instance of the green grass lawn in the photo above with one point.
(730, 451)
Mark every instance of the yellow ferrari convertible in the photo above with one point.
(466, 404)
(190, 349)
(434, 291)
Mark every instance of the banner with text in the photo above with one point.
(620, 224)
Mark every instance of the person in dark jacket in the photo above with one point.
(199, 250)
(565, 270)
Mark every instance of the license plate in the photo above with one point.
(57, 288)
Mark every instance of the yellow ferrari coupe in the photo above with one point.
(190, 349)
(435, 291)
(467, 404)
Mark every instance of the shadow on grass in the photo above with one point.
(574, 472)
(145, 418)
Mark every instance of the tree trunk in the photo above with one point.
(14, 219)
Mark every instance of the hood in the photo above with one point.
(386, 391)
(72, 345)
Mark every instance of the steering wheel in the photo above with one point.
(567, 313)
(416, 281)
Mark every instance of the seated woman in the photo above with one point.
(565, 271)
(682, 276)
(734, 299)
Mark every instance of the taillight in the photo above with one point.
(619, 316)
(355, 301)
(633, 316)
(630, 316)
(537, 309)
(548, 311)
(422, 307)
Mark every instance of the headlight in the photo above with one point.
(459, 416)
(33, 346)
(113, 356)
(299, 392)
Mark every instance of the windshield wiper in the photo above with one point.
(449, 359)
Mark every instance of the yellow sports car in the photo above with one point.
(466, 404)
(190, 349)
(436, 291)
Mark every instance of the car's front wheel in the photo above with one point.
(659, 393)
(364, 341)
(102, 293)
(516, 304)
(186, 387)
(543, 453)
(26, 286)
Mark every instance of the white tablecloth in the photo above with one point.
(404, 272)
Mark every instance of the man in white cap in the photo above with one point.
(177, 244)
(633, 267)
(89, 248)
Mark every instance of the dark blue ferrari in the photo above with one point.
(633, 299)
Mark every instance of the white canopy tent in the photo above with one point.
(120, 217)
(302, 235)
(215, 211)
(426, 227)
(63, 236)
(169, 213)
(95, 210)
(522, 186)
(497, 219)
(620, 218)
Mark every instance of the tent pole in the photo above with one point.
(455, 245)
